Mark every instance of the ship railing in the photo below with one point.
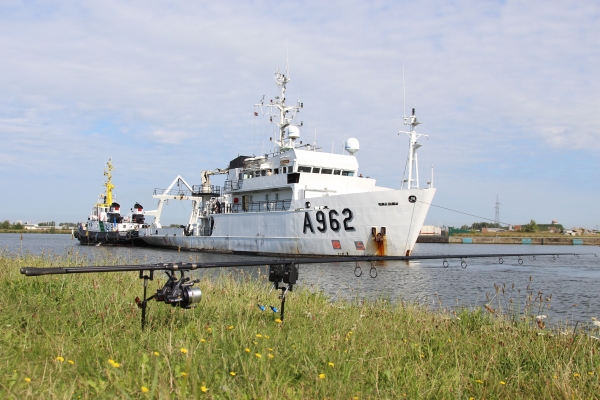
(234, 185)
(212, 189)
(262, 206)
(196, 191)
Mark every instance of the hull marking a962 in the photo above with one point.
(334, 224)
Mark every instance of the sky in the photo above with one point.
(508, 92)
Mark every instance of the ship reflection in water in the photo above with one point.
(568, 280)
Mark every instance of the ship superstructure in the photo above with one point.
(297, 200)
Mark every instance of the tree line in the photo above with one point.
(532, 226)
(17, 225)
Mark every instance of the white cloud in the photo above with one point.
(170, 137)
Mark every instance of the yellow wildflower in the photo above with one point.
(202, 340)
(278, 321)
(576, 375)
(266, 337)
(232, 373)
(183, 350)
(71, 362)
(59, 358)
(258, 335)
(591, 373)
(449, 340)
(203, 388)
(330, 364)
(350, 333)
(271, 355)
(145, 389)
(247, 350)
(270, 349)
(230, 327)
(255, 342)
(258, 355)
(479, 381)
(209, 329)
(156, 353)
(321, 376)
(27, 380)
(184, 374)
(422, 355)
(502, 383)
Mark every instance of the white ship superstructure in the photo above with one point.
(297, 200)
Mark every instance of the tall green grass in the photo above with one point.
(79, 336)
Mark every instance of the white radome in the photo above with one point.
(293, 132)
(352, 145)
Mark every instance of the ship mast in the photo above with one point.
(412, 166)
(282, 115)
(108, 200)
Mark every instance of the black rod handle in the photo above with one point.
(32, 271)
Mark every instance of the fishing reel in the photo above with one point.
(179, 292)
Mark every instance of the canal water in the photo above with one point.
(570, 284)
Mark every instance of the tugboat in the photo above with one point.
(298, 200)
(105, 224)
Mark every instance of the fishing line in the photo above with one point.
(460, 212)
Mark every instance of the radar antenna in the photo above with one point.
(283, 115)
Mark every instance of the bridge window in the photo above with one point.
(326, 171)
(316, 170)
(337, 172)
(303, 169)
(347, 173)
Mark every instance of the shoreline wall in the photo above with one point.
(566, 240)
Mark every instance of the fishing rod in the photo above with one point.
(283, 273)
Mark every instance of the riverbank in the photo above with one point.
(78, 336)
(493, 239)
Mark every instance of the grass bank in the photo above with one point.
(78, 336)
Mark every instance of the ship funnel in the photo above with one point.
(352, 146)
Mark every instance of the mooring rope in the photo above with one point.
(460, 212)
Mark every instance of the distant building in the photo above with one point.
(431, 230)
